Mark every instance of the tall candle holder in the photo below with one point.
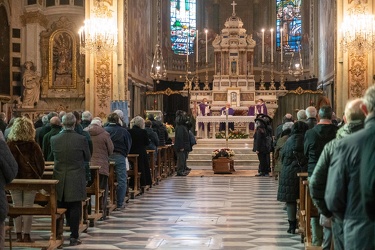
(282, 82)
(272, 86)
(196, 82)
(262, 87)
(206, 79)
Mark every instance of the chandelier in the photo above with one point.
(158, 70)
(295, 65)
(99, 33)
(358, 30)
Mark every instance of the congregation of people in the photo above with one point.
(74, 141)
(338, 157)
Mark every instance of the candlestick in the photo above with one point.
(187, 50)
(196, 51)
(281, 44)
(206, 31)
(262, 45)
(271, 45)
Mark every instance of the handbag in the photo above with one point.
(28, 163)
(302, 165)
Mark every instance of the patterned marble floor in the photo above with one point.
(205, 213)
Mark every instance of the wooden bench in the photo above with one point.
(49, 208)
(171, 160)
(162, 162)
(136, 189)
(94, 189)
(301, 206)
(310, 211)
(151, 160)
(112, 185)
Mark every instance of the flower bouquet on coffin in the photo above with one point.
(222, 162)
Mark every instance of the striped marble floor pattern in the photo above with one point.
(186, 213)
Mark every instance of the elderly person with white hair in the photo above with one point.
(311, 113)
(301, 115)
(102, 149)
(140, 142)
(86, 118)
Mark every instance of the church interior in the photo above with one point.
(159, 56)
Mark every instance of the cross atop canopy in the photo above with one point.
(234, 8)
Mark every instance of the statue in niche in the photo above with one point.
(234, 67)
(62, 60)
(31, 83)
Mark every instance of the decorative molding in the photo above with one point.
(103, 81)
(167, 92)
(300, 91)
(357, 75)
(34, 17)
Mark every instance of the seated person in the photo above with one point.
(227, 110)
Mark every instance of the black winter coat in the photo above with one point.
(289, 183)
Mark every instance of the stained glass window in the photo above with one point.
(289, 19)
(183, 26)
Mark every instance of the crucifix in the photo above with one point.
(234, 8)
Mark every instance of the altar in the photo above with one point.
(213, 121)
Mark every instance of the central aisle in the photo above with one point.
(188, 213)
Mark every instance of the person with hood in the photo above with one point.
(102, 149)
(354, 120)
(292, 158)
(315, 139)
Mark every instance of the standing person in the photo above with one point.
(311, 116)
(86, 119)
(70, 151)
(182, 143)
(315, 139)
(139, 143)
(55, 129)
(8, 171)
(292, 158)
(122, 143)
(301, 115)
(287, 129)
(102, 149)
(29, 157)
(153, 138)
(343, 196)
(261, 108)
(354, 119)
(3, 124)
(203, 110)
(227, 110)
(260, 147)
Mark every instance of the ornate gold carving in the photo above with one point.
(247, 96)
(357, 75)
(300, 91)
(34, 17)
(220, 96)
(103, 81)
(167, 92)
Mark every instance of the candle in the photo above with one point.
(206, 31)
(281, 44)
(262, 45)
(271, 45)
(187, 50)
(196, 40)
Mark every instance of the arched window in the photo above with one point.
(183, 25)
(289, 19)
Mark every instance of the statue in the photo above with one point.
(31, 83)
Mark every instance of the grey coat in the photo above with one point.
(8, 171)
(70, 151)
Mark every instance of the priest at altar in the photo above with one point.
(227, 110)
(259, 108)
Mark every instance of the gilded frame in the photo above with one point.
(58, 38)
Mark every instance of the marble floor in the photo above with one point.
(185, 213)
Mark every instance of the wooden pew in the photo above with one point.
(49, 208)
(170, 160)
(136, 189)
(311, 211)
(112, 185)
(301, 206)
(151, 157)
(94, 189)
(162, 161)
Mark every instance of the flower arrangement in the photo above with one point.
(170, 128)
(224, 152)
(232, 134)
